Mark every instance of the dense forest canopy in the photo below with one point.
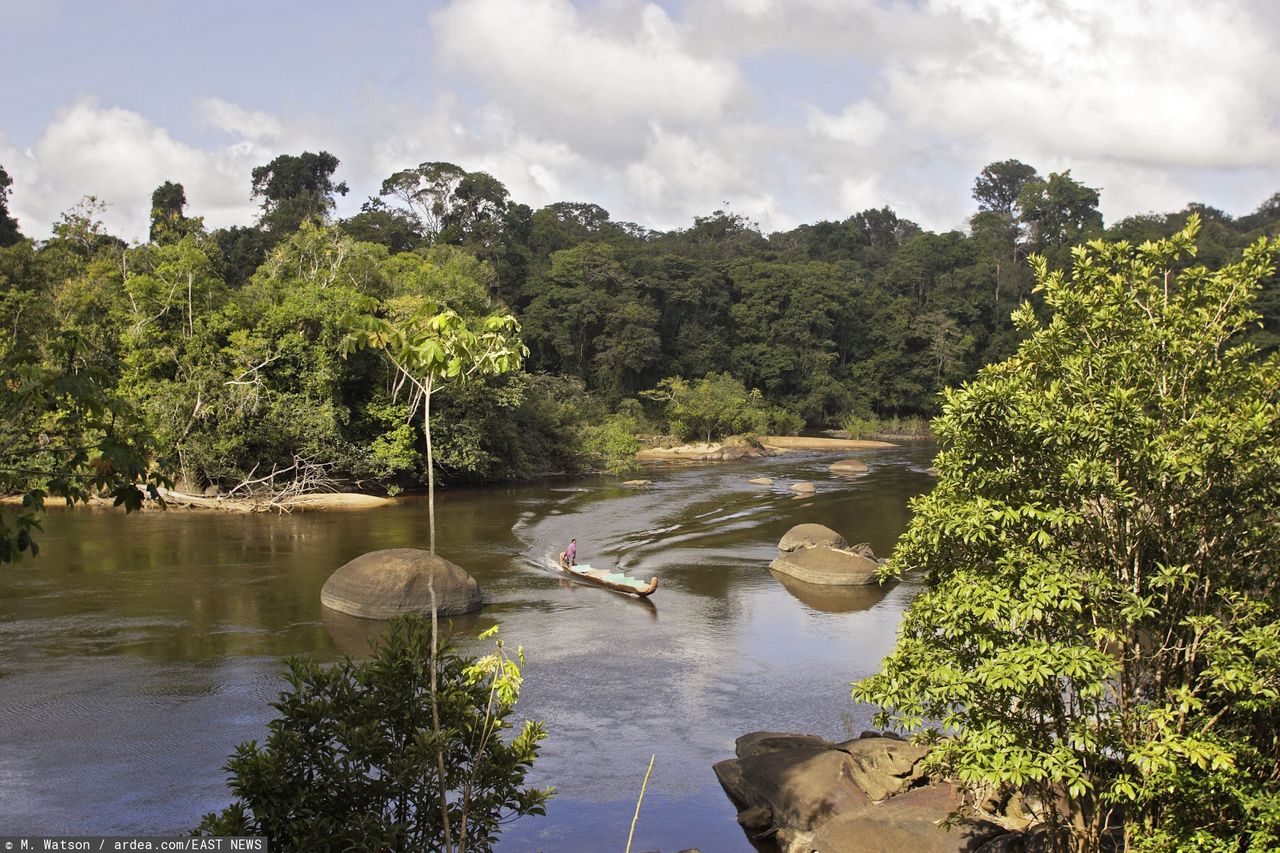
(223, 345)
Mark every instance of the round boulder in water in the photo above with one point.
(385, 584)
(811, 536)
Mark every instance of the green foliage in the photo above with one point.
(861, 426)
(1059, 211)
(999, 186)
(168, 219)
(295, 189)
(715, 406)
(235, 382)
(9, 233)
(611, 444)
(865, 426)
(64, 433)
(426, 193)
(1100, 623)
(432, 345)
(228, 343)
(591, 319)
(350, 760)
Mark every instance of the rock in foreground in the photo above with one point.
(868, 794)
(385, 584)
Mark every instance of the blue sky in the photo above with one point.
(788, 111)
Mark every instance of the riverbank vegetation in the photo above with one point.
(357, 760)
(219, 349)
(1100, 631)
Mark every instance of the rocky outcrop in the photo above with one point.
(637, 484)
(868, 794)
(803, 487)
(819, 556)
(827, 566)
(761, 481)
(385, 584)
(794, 783)
(732, 449)
(911, 821)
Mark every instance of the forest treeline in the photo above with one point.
(225, 344)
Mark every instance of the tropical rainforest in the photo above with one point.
(215, 357)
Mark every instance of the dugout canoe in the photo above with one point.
(617, 581)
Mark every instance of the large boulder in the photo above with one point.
(810, 536)
(792, 787)
(385, 584)
(868, 794)
(910, 821)
(883, 766)
(826, 566)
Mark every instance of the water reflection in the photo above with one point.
(833, 599)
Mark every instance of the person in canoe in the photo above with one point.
(570, 555)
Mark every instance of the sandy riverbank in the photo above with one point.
(769, 445)
(318, 500)
(182, 500)
(800, 442)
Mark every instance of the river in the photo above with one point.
(136, 652)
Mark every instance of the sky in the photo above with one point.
(783, 111)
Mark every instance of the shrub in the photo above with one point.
(351, 762)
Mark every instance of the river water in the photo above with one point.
(136, 652)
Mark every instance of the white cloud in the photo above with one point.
(1171, 84)
(787, 111)
(121, 157)
(237, 120)
(862, 123)
(603, 75)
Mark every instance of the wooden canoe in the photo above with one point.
(616, 581)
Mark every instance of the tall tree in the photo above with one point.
(378, 222)
(477, 214)
(427, 193)
(1058, 211)
(169, 222)
(9, 233)
(1100, 627)
(998, 186)
(295, 189)
(429, 348)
